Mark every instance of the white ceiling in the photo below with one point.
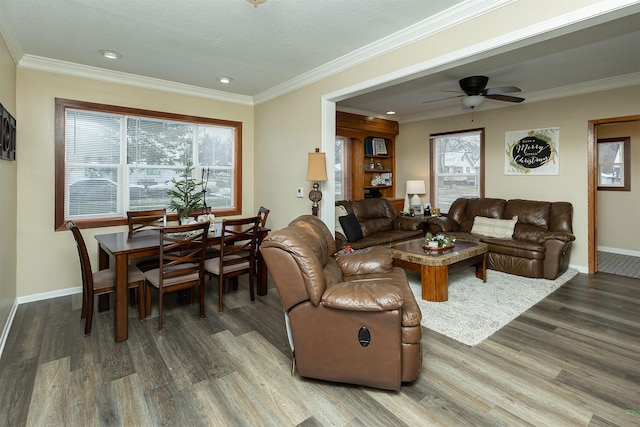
(266, 49)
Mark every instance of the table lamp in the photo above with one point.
(415, 187)
(316, 172)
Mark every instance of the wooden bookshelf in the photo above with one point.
(370, 138)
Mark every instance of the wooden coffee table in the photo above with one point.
(434, 266)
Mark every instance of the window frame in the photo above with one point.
(61, 106)
(625, 146)
(433, 169)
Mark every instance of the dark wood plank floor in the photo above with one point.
(571, 360)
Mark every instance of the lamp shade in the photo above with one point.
(416, 186)
(317, 168)
(472, 101)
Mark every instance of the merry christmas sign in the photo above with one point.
(532, 152)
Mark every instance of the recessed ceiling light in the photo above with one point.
(391, 113)
(225, 80)
(110, 54)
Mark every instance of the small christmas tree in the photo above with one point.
(186, 196)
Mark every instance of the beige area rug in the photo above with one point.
(476, 310)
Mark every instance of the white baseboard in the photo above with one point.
(580, 268)
(619, 251)
(7, 326)
(48, 295)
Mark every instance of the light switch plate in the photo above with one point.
(299, 193)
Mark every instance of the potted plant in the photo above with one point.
(186, 196)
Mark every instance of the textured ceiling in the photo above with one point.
(196, 41)
(265, 48)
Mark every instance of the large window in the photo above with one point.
(457, 166)
(112, 159)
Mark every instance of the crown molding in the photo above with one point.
(94, 73)
(446, 19)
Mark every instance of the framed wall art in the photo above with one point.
(7, 135)
(532, 152)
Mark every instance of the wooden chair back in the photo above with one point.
(85, 266)
(182, 254)
(140, 220)
(238, 249)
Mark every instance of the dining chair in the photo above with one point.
(263, 213)
(102, 281)
(146, 220)
(237, 254)
(181, 264)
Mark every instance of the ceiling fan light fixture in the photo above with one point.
(255, 3)
(472, 101)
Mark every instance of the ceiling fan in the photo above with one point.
(475, 91)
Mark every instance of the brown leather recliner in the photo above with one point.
(351, 317)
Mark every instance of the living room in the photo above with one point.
(295, 122)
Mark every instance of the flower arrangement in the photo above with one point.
(439, 240)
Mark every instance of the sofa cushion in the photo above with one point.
(485, 207)
(374, 215)
(533, 218)
(340, 211)
(351, 227)
(493, 227)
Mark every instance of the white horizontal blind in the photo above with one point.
(115, 163)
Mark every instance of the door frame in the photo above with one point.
(592, 187)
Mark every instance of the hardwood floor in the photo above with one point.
(572, 359)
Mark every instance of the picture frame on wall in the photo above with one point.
(7, 135)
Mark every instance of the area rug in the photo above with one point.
(476, 310)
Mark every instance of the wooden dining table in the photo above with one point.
(123, 248)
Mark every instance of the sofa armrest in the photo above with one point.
(408, 223)
(556, 235)
(443, 223)
(374, 295)
(373, 260)
(341, 240)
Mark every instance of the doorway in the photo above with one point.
(592, 176)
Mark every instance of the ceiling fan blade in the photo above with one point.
(502, 89)
(442, 99)
(505, 98)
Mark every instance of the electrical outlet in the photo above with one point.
(299, 193)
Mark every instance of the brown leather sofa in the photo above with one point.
(351, 317)
(540, 245)
(380, 222)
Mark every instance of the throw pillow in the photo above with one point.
(340, 211)
(494, 227)
(351, 227)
